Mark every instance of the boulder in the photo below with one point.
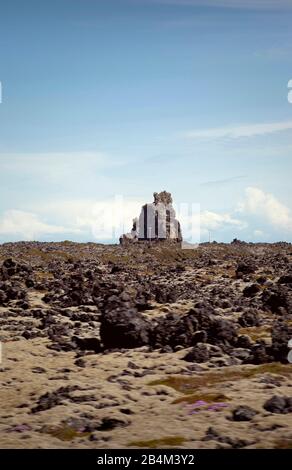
(243, 413)
(198, 353)
(279, 404)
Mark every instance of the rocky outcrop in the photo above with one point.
(156, 222)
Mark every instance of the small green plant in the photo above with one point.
(207, 397)
(187, 385)
(64, 433)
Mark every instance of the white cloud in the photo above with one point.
(235, 132)
(92, 220)
(26, 225)
(101, 220)
(106, 220)
(198, 224)
(266, 206)
(215, 221)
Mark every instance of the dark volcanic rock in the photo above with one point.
(198, 326)
(3, 298)
(165, 294)
(252, 290)
(244, 341)
(199, 337)
(259, 354)
(278, 404)
(124, 329)
(244, 268)
(199, 353)
(278, 299)
(11, 268)
(29, 282)
(80, 362)
(281, 334)
(222, 331)
(52, 399)
(122, 326)
(14, 291)
(174, 330)
(286, 279)
(87, 344)
(249, 319)
(108, 423)
(213, 435)
(243, 413)
(241, 353)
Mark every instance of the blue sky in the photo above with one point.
(125, 97)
